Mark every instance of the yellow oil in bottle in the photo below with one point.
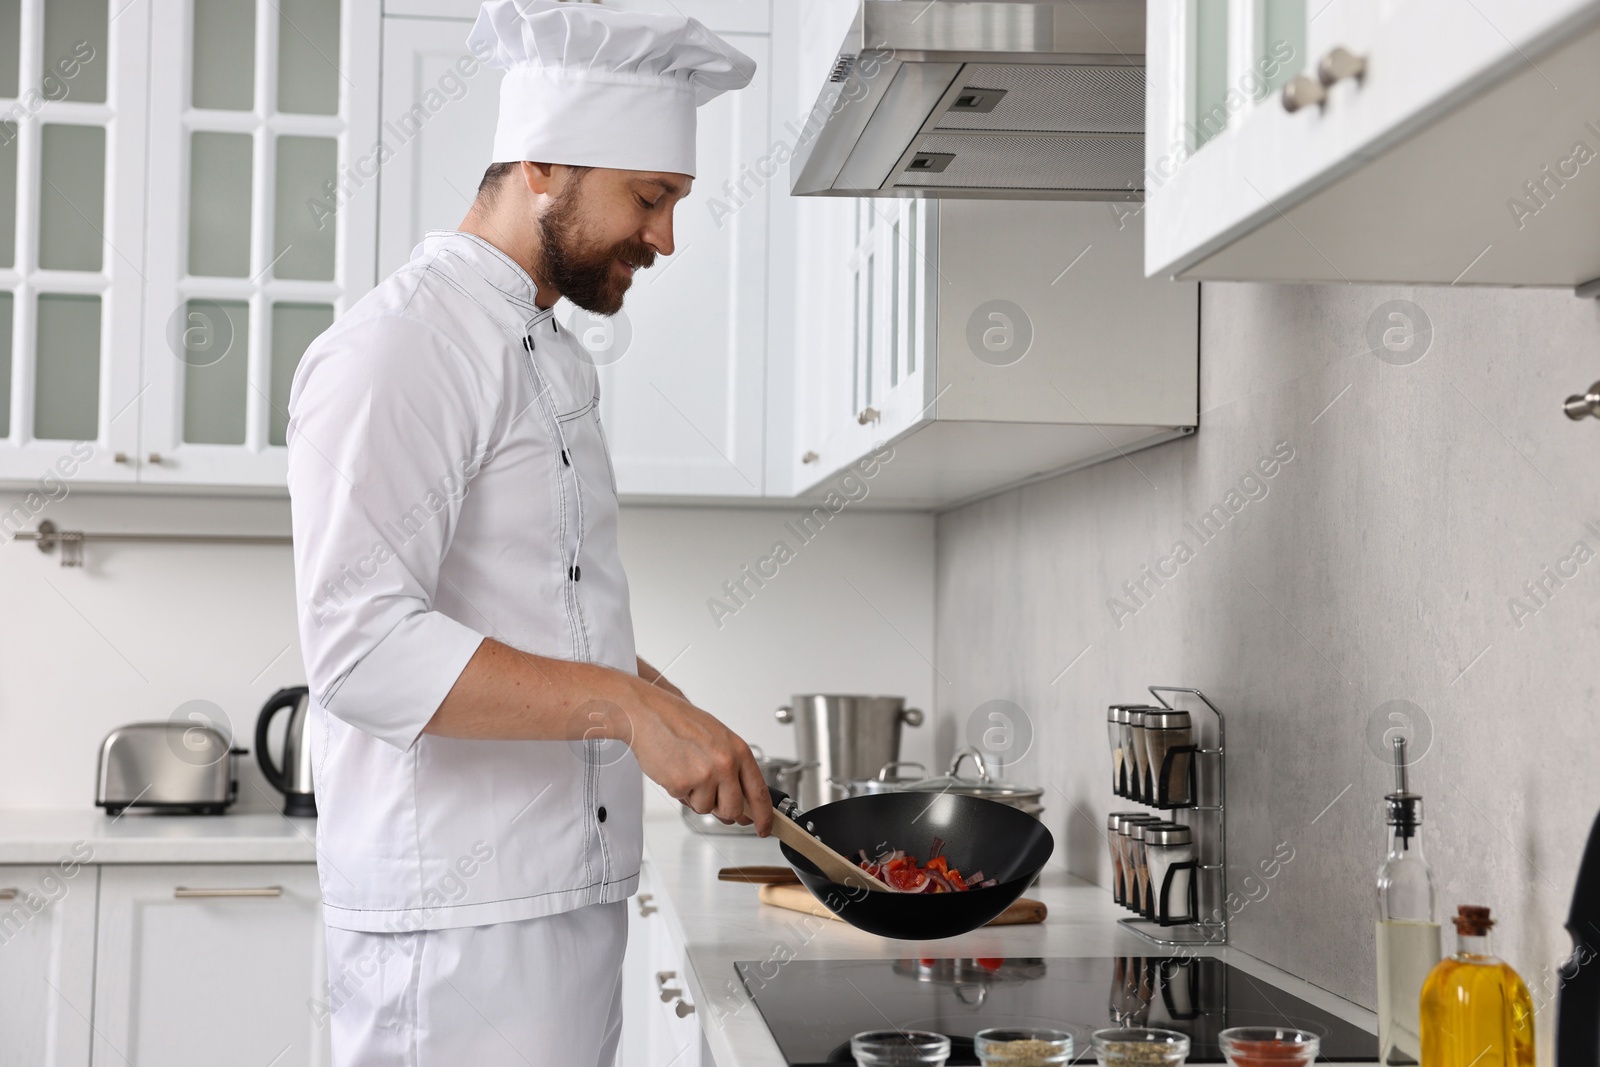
(1476, 1010)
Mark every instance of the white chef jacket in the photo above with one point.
(449, 479)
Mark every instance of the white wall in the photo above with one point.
(141, 629)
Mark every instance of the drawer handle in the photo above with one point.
(868, 414)
(663, 977)
(9, 894)
(646, 908)
(809, 457)
(684, 1008)
(671, 993)
(185, 893)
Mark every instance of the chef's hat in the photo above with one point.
(595, 87)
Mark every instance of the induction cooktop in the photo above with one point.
(813, 1007)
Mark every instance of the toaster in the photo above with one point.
(167, 766)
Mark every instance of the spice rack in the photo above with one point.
(1205, 797)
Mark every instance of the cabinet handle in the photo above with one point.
(868, 415)
(185, 893)
(8, 894)
(663, 977)
(809, 457)
(155, 459)
(1584, 404)
(684, 1008)
(1340, 64)
(1302, 92)
(120, 457)
(668, 995)
(646, 908)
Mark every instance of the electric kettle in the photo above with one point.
(293, 777)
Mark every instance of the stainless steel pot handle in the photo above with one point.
(977, 758)
(911, 716)
(785, 714)
(883, 772)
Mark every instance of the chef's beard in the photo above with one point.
(578, 270)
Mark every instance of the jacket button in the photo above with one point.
(575, 572)
(566, 459)
(601, 814)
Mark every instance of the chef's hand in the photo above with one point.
(698, 760)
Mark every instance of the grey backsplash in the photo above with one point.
(1379, 564)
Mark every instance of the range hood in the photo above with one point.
(981, 98)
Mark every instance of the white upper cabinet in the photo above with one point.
(263, 170)
(187, 198)
(1442, 141)
(683, 366)
(683, 398)
(73, 107)
(969, 345)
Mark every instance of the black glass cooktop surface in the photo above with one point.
(813, 1007)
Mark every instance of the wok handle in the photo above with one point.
(833, 866)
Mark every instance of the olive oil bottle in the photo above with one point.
(1407, 925)
(1475, 1009)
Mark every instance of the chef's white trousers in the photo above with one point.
(539, 992)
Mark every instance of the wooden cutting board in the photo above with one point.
(797, 897)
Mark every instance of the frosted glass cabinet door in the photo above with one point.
(47, 917)
(265, 125)
(72, 181)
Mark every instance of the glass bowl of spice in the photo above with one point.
(1268, 1046)
(1023, 1047)
(900, 1048)
(1140, 1047)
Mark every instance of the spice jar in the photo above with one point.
(1139, 771)
(1114, 839)
(1165, 730)
(1167, 847)
(1132, 889)
(1139, 855)
(1116, 731)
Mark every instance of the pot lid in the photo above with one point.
(984, 785)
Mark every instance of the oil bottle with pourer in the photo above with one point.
(1407, 923)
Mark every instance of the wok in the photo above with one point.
(980, 835)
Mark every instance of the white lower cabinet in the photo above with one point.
(46, 964)
(660, 1024)
(199, 965)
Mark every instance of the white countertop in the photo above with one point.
(138, 837)
(720, 922)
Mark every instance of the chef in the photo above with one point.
(480, 717)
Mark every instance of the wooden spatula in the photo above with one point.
(834, 866)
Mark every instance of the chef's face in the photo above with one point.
(603, 225)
